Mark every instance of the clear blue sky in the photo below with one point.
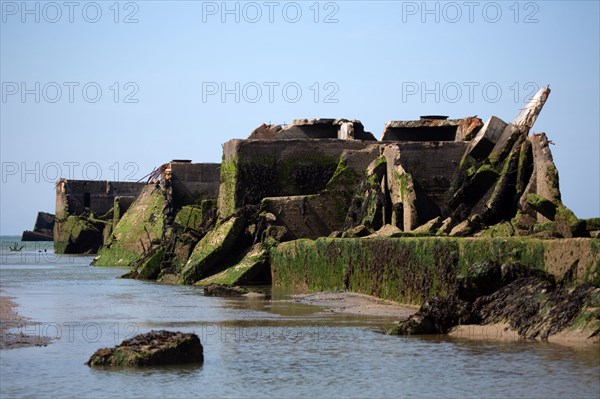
(372, 61)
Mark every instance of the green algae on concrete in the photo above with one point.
(212, 249)
(410, 270)
(248, 181)
(77, 235)
(137, 231)
(189, 217)
(150, 269)
(254, 264)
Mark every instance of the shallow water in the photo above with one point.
(253, 347)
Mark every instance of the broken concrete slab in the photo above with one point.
(463, 229)
(256, 169)
(357, 231)
(446, 226)
(468, 128)
(150, 268)
(77, 235)
(43, 229)
(264, 132)
(505, 143)
(529, 114)
(485, 140)
(140, 228)
(431, 129)
(419, 176)
(213, 248)
(321, 128)
(430, 227)
(544, 179)
(520, 126)
(385, 232)
(542, 205)
(307, 216)
(251, 269)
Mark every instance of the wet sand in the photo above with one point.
(350, 302)
(9, 319)
(354, 303)
(503, 332)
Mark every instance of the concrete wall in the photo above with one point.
(432, 129)
(193, 182)
(431, 166)
(256, 169)
(44, 223)
(410, 270)
(76, 196)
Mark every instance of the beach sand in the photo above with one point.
(11, 320)
(354, 303)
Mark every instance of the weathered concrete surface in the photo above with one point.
(485, 140)
(410, 270)
(318, 215)
(264, 132)
(156, 348)
(77, 235)
(137, 231)
(85, 199)
(432, 129)
(253, 268)
(213, 248)
(193, 182)
(320, 128)
(419, 176)
(307, 216)
(74, 197)
(544, 178)
(43, 230)
(257, 169)
(196, 217)
(468, 128)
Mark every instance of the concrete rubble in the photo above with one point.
(43, 230)
(314, 178)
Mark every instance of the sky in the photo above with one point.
(110, 90)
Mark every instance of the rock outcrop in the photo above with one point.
(531, 301)
(156, 348)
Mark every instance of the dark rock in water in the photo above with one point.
(436, 316)
(223, 290)
(155, 348)
(529, 300)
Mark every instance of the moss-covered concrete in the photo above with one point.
(189, 217)
(253, 265)
(137, 231)
(410, 270)
(77, 235)
(248, 181)
(213, 248)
